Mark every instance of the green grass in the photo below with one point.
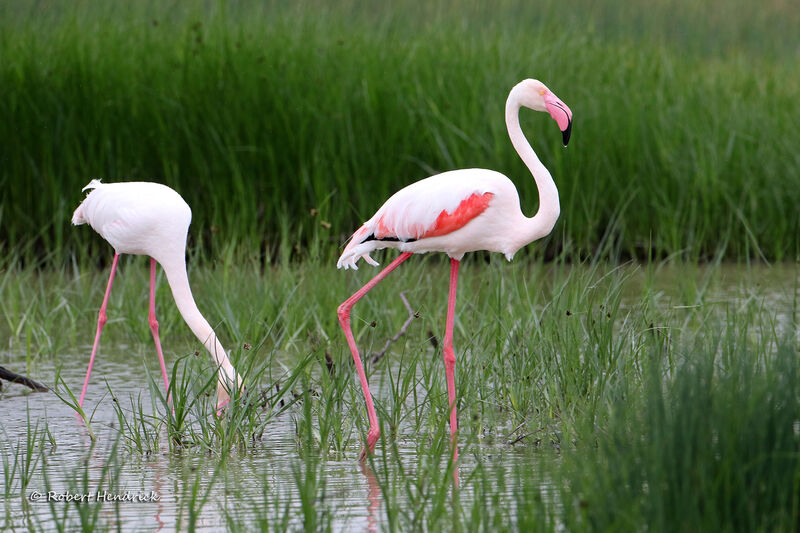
(286, 124)
(593, 394)
(591, 397)
(713, 449)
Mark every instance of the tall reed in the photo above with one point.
(286, 124)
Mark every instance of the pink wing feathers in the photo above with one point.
(432, 207)
(468, 209)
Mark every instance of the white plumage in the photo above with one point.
(151, 219)
(413, 211)
(139, 218)
(458, 212)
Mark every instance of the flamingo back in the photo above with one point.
(137, 217)
(433, 207)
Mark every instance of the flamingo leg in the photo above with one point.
(344, 321)
(450, 356)
(154, 324)
(101, 321)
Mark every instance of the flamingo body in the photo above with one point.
(151, 219)
(458, 212)
(424, 217)
(138, 218)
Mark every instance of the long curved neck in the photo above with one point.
(175, 269)
(545, 218)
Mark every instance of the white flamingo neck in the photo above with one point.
(545, 218)
(175, 269)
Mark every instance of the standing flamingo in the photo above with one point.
(457, 212)
(151, 219)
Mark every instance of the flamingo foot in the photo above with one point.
(372, 439)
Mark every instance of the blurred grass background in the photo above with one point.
(286, 124)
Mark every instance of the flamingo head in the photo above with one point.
(224, 392)
(535, 95)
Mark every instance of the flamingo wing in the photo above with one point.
(396, 224)
(432, 207)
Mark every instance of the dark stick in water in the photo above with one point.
(22, 380)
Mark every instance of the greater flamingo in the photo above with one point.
(151, 219)
(457, 212)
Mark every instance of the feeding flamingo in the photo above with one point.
(457, 212)
(151, 219)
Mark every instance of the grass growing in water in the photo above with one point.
(581, 389)
(590, 397)
(715, 448)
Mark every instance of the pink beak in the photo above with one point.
(560, 113)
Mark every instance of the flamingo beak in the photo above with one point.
(561, 113)
(223, 398)
(566, 133)
(224, 394)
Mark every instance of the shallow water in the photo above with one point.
(261, 481)
(352, 490)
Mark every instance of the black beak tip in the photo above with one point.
(566, 133)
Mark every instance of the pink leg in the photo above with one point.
(154, 323)
(101, 321)
(450, 356)
(344, 320)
